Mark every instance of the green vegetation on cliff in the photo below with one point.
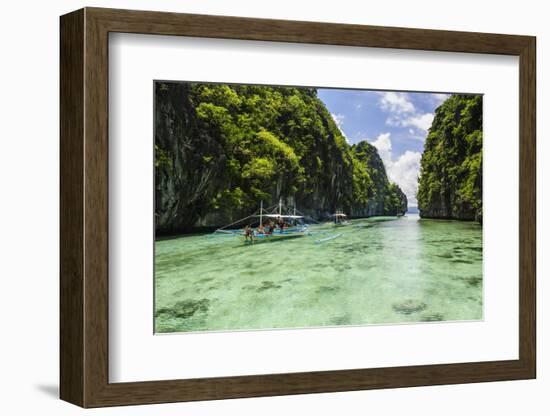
(220, 149)
(386, 198)
(450, 183)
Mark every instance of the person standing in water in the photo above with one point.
(261, 229)
(281, 224)
(248, 233)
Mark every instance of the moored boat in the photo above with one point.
(340, 219)
(272, 224)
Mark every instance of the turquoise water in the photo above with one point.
(379, 271)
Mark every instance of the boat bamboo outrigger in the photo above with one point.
(274, 223)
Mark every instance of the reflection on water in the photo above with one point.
(381, 270)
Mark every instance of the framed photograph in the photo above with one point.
(255, 207)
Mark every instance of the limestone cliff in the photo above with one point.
(450, 183)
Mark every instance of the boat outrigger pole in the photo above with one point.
(261, 209)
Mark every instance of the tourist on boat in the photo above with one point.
(281, 223)
(261, 229)
(248, 233)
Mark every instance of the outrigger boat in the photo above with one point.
(272, 224)
(340, 219)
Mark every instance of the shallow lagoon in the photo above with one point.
(379, 271)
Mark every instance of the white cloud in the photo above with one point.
(421, 121)
(396, 102)
(383, 145)
(339, 120)
(403, 113)
(403, 170)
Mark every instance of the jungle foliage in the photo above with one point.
(450, 183)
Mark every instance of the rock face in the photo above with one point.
(220, 150)
(384, 198)
(184, 180)
(450, 183)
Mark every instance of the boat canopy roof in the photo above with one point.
(339, 215)
(281, 216)
(276, 211)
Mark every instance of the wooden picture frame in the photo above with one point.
(84, 207)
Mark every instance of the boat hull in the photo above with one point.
(277, 235)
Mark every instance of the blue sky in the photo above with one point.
(395, 122)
